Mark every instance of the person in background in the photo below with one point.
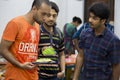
(51, 46)
(69, 30)
(99, 48)
(19, 44)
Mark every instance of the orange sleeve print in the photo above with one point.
(10, 31)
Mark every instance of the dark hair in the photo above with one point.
(100, 10)
(54, 6)
(38, 3)
(77, 19)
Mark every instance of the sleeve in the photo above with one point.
(62, 45)
(10, 31)
(82, 39)
(76, 34)
(115, 52)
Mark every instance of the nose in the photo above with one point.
(43, 19)
(51, 18)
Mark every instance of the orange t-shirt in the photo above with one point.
(25, 39)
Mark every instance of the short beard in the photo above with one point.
(49, 25)
(39, 22)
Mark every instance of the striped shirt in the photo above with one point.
(49, 70)
(100, 53)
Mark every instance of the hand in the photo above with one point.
(27, 65)
(60, 75)
(74, 79)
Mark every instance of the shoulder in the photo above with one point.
(87, 30)
(18, 19)
(58, 30)
(70, 25)
(111, 36)
(109, 26)
(15, 22)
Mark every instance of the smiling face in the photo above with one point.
(41, 12)
(50, 20)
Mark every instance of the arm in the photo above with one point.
(78, 65)
(77, 34)
(62, 65)
(115, 58)
(116, 72)
(4, 51)
(75, 42)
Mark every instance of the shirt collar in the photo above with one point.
(102, 34)
(44, 30)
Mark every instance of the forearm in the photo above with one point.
(4, 51)
(78, 65)
(116, 72)
(75, 41)
(62, 62)
(10, 58)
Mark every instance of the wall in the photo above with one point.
(11, 8)
(68, 9)
(117, 18)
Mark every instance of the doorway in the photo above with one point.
(110, 3)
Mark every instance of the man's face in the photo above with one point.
(41, 13)
(50, 20)
(95, 21)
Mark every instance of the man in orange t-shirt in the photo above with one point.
(19, 44)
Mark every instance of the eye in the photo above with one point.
(43, 14)
(48, 15)
(96, 18)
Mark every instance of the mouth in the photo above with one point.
(51, 22)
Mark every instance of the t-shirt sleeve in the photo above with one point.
(10, 31)
(62, 45)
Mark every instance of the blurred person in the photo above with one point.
(19, 44)
(99, 48)
(69, 30)
(51, 46)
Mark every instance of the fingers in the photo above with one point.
(28, 65)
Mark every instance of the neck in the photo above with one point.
(48, 28)
(73, 24)
(29, 18)
(99, 30)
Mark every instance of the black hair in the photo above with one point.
(54, 6)
(38, 3)
(77, 19)
(100, 10)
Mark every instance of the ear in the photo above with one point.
(103, 21)
(34, 8)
